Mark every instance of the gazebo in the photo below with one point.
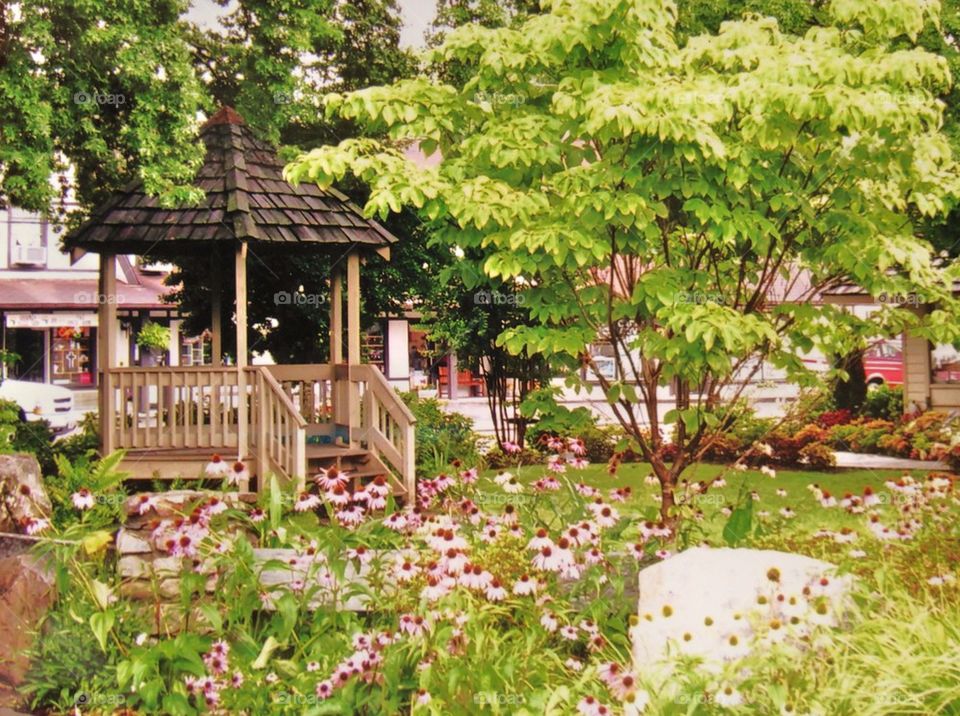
(285, 420)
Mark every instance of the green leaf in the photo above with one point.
(738, 524)
(101, 623)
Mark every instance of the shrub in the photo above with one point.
(441, 436)
(818, 456)
(835, 417)
(497, 459)
(885, 402)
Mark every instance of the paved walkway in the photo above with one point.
(884, 462)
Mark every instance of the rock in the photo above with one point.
(719, 604)
(131, 542)
(22, 495)
(176, 503)
(137, 567)
(26, 592)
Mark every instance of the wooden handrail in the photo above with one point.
(278, 393)
(385, 392)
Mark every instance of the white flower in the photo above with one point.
(83, 499)
(728, 697)
(216, 468)
(768, 471)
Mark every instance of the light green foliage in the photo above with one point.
(664, 198)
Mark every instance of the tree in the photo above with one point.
(660, 198)
(105, 88)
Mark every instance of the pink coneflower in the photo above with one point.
(475, 577)
(257, 515)
(586, 490)
(438, 587)
(511, 448)
(324, 690)
(306, 502)
(609, 672)
(540, 540)
(216, 468)
(468, 477)
(589, 706)
(556, 463)
(593, 556)
(396, 521)
(827, 500)
(569, 632)
(870, 499)
(35, 525)
(413, 624)
(238, 475)
(495, 591)
(337, 496)
(576, 446)
(525, 586)
(623, 686)
(350, 516)
(361, 553)
(83, 499)
(330, 478)
(214, 506)
(145, 503)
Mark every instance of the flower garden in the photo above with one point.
(501, 590)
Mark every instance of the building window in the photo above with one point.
(71, 349)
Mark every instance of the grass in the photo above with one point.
(810, 515)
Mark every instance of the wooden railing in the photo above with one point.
(278, 431)
(359, 399)
(179, 408)
(386, 424)
(170, 407)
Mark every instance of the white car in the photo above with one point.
(42, 401)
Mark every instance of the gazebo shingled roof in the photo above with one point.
(246, 199)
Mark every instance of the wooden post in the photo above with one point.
(240, 277)
(336, 317)
(353, 339)
(216, 309)
(107, 352)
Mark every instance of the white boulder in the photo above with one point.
(719, 604)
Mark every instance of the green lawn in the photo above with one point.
(809, 513)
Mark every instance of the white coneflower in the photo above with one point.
(781, 492)
(306, 502)
(495, 591)
(216, 468)
(549, 622)
(540, 540)
(728, 697)
(83, 499)
(768, 471)
(574, 664)
(525, 586)
(787, 513)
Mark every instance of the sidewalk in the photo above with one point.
(884, 462)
